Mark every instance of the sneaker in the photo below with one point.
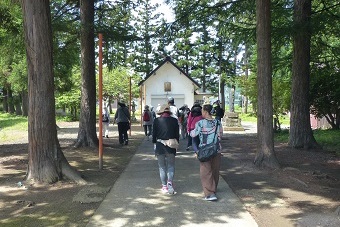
(211, 197)
(164, 189)
(107, 136)
(126, 142)
(170, 188)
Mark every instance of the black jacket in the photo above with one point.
(165, 128)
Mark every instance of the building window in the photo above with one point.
(167, 86)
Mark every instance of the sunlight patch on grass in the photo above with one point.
(12, 122)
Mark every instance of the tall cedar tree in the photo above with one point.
(87, 136)
(46, 162)
(265, 156)
(301, 134)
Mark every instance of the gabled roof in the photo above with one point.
(168, 59)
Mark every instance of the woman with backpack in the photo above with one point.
(147, 121)
(210, 131)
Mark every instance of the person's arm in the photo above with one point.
(116, 116)
(196, 131)
(177, 132)
(154, 131)
(128, 113)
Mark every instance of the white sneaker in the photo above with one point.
(171, 189)
(211, 197)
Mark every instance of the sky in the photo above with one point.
(166, 10)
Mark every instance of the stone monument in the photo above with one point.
(232, 122)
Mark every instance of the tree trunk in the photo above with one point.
(301, 134)
(265, 156)
(46, 163)
(10, 100)
(5, 101)
(24, 97)
(87, 135)
(246, 75)
(222, 94)
(17, 103)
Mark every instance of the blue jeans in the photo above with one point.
(166, 164)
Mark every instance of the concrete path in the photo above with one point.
(136, 198)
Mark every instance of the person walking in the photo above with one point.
(147, 121)
(209, 170)
(218, 112)
(165, 137)
(195, 115)
(173, 108)
(183, 121)
(105, 122)
(122, 118)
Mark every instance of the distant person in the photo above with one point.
(153, 112)
(105, 122)
(173, 108)
(147, 118)
(194, 116)
(183, 120)
(157, 109)
(209, 171)
(122, 118)
(165, 135)
(218, 112)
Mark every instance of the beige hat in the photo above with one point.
(164, 108)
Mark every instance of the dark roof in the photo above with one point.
(168, 59)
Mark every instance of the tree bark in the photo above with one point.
(17, 102)
(10, 100)
(265, 156)
(87, 135)
(24, 98)
(46, 161)
(5, 100)
(301, 134)
(246, 74)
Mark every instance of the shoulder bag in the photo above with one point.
(208, 151)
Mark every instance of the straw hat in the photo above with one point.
(164, 109)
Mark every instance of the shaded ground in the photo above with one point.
(305, 192)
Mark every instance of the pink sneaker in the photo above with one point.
(164, 189)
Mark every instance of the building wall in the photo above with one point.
(182, 88)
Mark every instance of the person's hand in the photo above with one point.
(154, 146)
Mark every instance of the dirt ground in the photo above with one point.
(304, 192)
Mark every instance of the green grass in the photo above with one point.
(12, 122)
(329, 139)
(251, 117)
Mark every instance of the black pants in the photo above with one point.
(122, 131)
(147, 130)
